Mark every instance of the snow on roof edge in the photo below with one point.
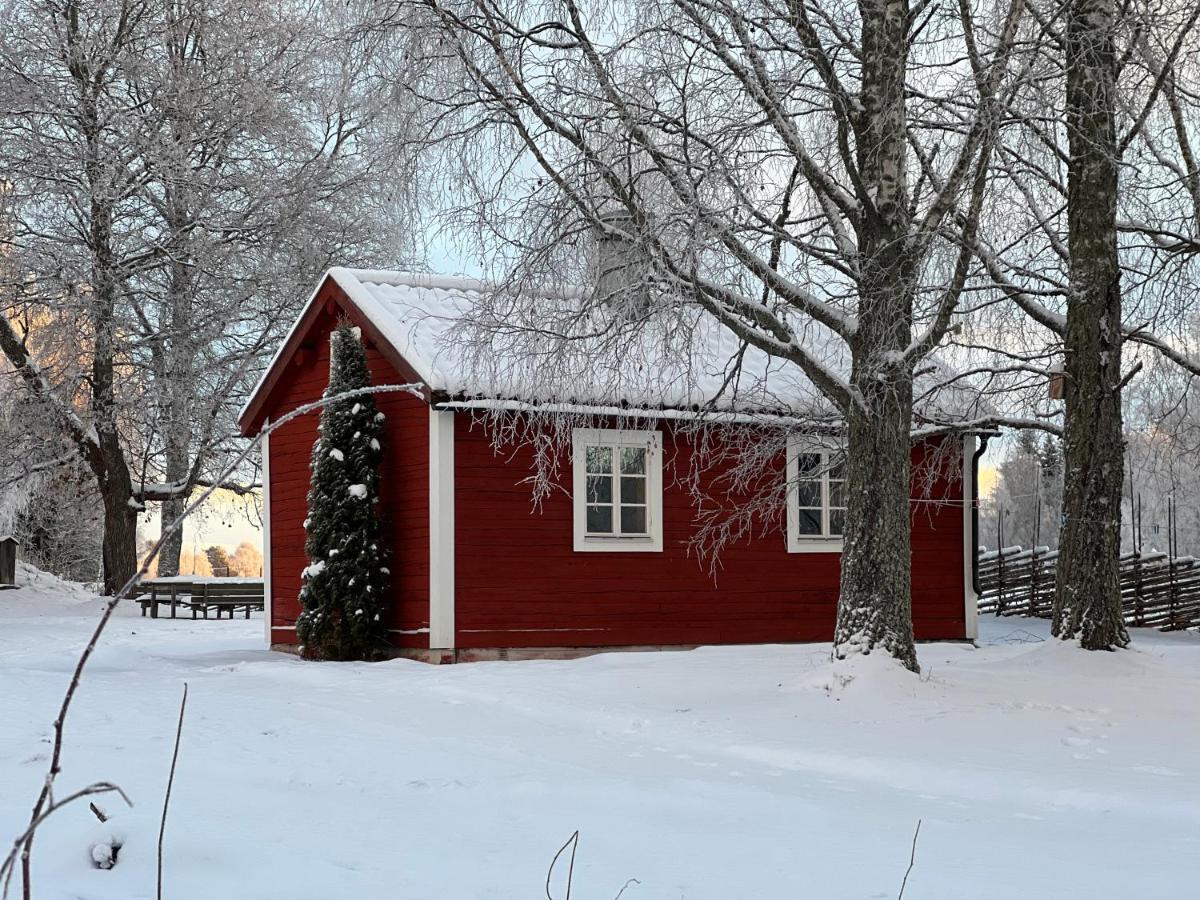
(629, 412)
(397, 278)
(351, 283)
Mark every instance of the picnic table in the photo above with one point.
(201, 594)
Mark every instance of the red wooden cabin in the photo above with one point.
(479, 573)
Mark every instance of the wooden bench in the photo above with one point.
(228, 596)
(201, 594)
(153, 592)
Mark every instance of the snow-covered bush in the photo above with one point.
(343, 598)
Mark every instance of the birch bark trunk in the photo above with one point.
(179, 381)
(178, 352)
(875, 603)
(1087, 600)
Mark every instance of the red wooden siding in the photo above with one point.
(404, 482)
(519, 582)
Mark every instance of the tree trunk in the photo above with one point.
(179, 383)
(172, 541)
(179, 349)
(108, 463)
(120, 536)
(875, 601)
(1087, 599)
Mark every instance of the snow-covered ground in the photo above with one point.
(740, 772)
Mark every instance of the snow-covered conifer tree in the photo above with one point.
(346, 581)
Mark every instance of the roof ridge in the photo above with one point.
(404, 278)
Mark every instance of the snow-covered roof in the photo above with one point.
(440, 326)
(423, 316)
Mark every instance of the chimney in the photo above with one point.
(621, 271)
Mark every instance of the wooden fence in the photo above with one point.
(1157, 590)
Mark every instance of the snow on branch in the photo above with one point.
(984, 424)
(157, 492)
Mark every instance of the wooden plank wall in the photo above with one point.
(520, 584)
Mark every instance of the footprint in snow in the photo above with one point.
(1158, 770)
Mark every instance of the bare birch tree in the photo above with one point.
(272, 159)
(177, 172)
(67, 130)
(808, 175)
(1097, 253)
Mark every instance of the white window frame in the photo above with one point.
(581, 439)
(808, 445)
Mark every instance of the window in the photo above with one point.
(816, 496)
(617, 487)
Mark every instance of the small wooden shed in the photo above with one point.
(8, 560)
(606, 560)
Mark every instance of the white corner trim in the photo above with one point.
(266, 522)
(795, 542)
(970, 598)
(441, 529)
(581, 438)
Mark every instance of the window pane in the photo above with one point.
(808, 493)
(599, 489)
(633, 460)
(837, 522)
(599, 459)
(837, 467)
(809, 521)
(633, 520)
(809, 464)
(837, 493)
(599, 520)
(633, 490)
